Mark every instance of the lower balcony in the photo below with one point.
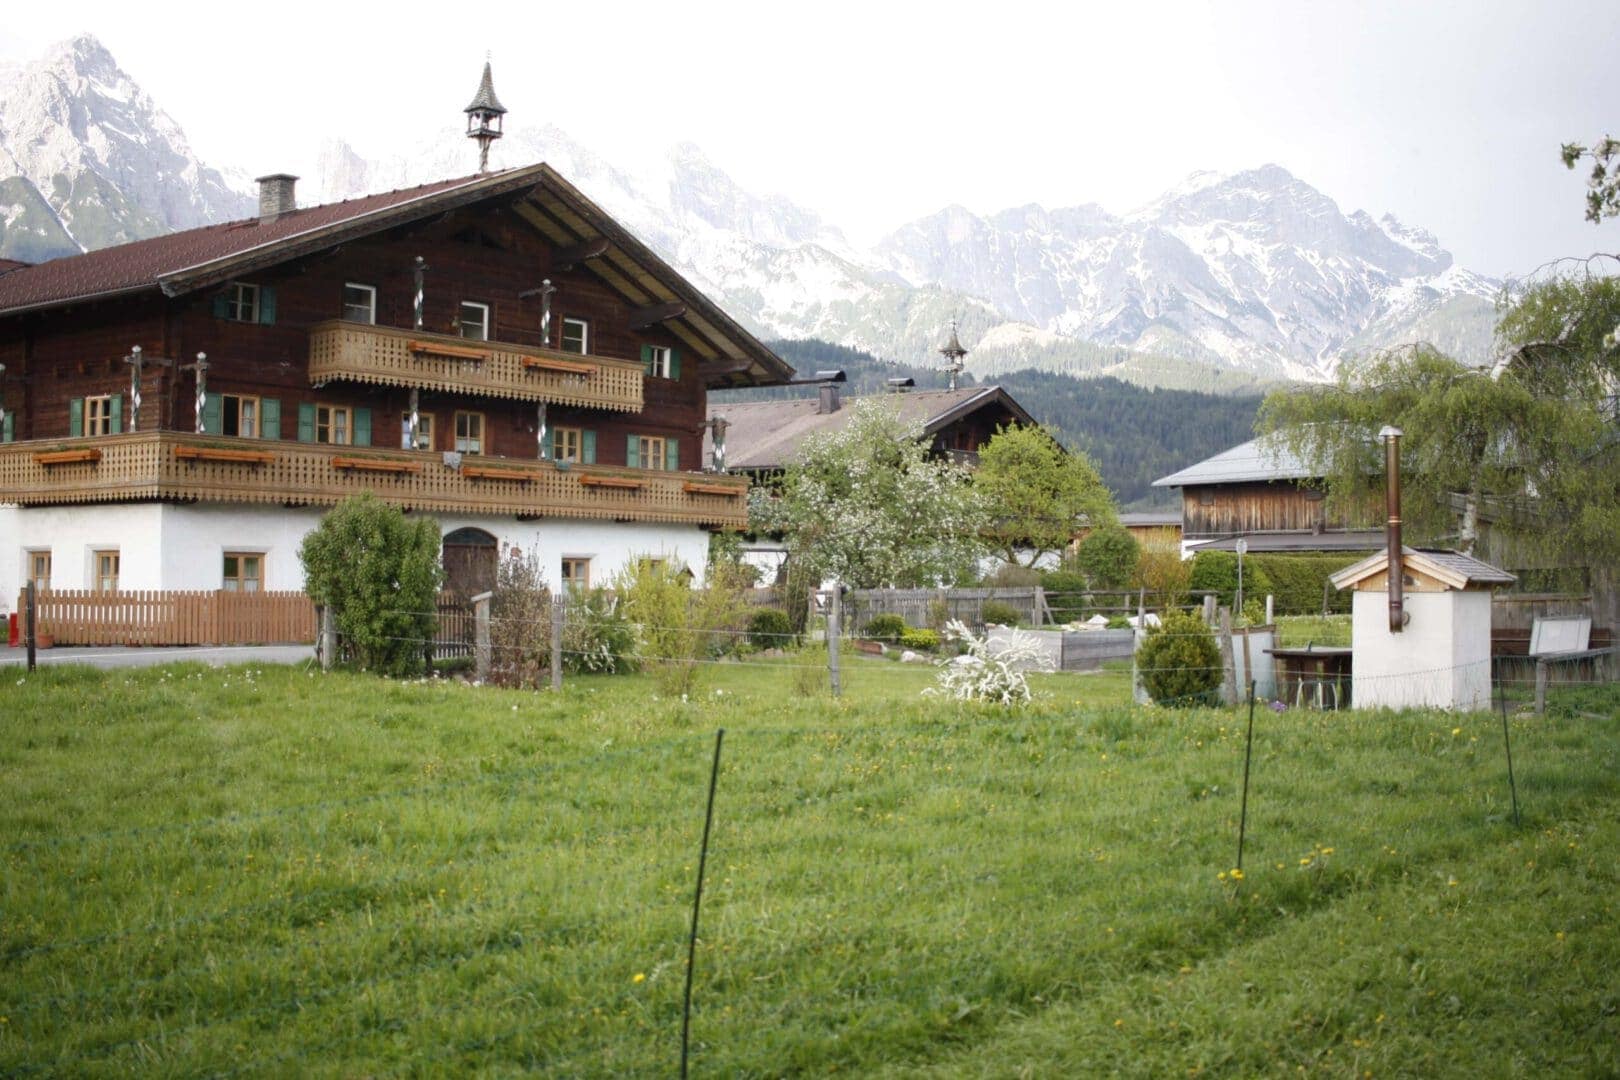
(172, 465)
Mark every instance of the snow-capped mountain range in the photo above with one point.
(1255, 271)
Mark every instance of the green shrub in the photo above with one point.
(1180, 663)
(379, 573)
(920, 640)
(769, 628)
(1000, 612)
(886, 628)
(1297, 580)
(678, 627)
(1108, 557)
(597, 638)
(1218, 571)
(1012, 575)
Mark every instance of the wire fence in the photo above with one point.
(533, 915)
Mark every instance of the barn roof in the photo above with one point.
(1255, 460)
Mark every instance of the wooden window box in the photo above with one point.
(455, 352)
(67, 457)
(380, 465)
(694, 487)
(212, 453)
(627, 483)
(567, 367)
(486, 472)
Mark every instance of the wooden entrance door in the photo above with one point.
(469, 562)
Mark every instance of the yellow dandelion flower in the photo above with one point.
(1456, 731)
(639, 977)
(1237, 875)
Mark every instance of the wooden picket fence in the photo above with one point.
(166, 617)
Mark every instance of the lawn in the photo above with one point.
(272, 872)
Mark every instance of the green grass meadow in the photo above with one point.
(277, 872)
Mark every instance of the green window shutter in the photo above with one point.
(269, 418)
(646, 360)
(267, 305)
(632, 451)
(672, 455)
(115, 409)
(76, 417)
(362, 427)
(587, 447)
(6, 428)
(220, 302)
(675, 363)
(213, 416)
(306, 422)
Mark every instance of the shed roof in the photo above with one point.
(1455, 569)
(769, 434)
(1251, 461)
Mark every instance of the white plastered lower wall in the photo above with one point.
(163, 546)
(1442, 659)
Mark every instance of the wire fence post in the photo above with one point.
(1248, 752)
(834, 618)
(558, 614)
(481, 649)
(1507, 744)
(29, 620)
(697, 903)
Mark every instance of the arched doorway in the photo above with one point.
(469, 562)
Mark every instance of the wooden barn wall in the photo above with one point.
(1245, 508)
(489, 256)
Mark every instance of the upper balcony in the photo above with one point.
(208, 468)
(361, 352)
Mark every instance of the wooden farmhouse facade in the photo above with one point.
(493, 350)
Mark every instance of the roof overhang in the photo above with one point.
(1452, 569)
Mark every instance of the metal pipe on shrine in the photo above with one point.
(1392, 500)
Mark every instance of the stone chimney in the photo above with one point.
(276, 196)
(829, 402)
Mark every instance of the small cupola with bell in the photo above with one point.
(484, 118)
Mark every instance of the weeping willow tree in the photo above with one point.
(1532, 441)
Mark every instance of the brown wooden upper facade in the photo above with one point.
(313, 354)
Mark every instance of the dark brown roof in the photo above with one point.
(145, 263)
(768, 434)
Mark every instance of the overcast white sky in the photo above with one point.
(1448, 115)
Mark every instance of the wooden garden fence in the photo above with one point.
(168, 617)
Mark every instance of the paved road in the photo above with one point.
(118, 656)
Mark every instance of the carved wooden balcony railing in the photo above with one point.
(393, 357)
(208, 468)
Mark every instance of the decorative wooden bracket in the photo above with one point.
(380, 465)
(653, 314)
(67, 457)
(569, 257)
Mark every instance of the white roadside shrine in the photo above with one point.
(1441, 656)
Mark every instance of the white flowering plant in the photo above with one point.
(1000, 678)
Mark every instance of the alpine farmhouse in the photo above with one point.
(492, 350)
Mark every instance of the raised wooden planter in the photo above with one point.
(459, 352)
(486, 472)
(628, 483)
(212, 453)
(567, 367)
(66, 457)
(379, 465)
(697, 487)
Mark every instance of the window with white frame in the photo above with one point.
(658, 366)
(653, 452)
(359, 302)
(242, 302)
(576, 336)
(470, 432)
(473, 321)
(424, 431)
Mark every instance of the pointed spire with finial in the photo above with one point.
(484, 116)
(953, 352)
